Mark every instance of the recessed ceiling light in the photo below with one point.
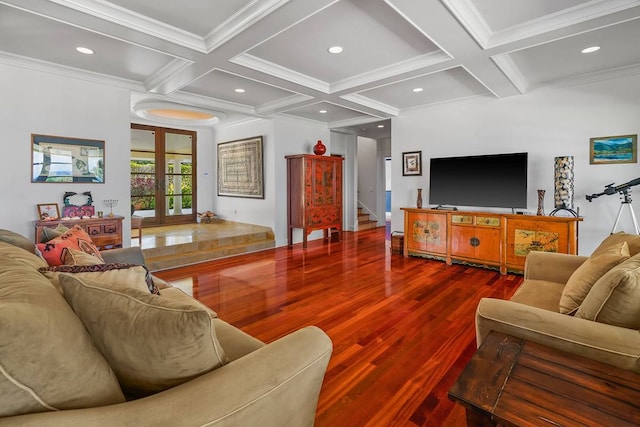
(322, 111)
(84, 50)
(590, 49)
(335, 49)
(418, 89)
(380, 126)
(240, 90)
(363, 129)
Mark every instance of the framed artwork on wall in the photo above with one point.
(58, 159)
(412, 163)
(613, 149)
(240, 170)
(48, 211)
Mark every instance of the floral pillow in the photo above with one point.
(54, 252)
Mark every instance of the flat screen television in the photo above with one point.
(497, 180)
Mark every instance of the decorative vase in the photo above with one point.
(319, 149)
(540, 202)
(419, 201)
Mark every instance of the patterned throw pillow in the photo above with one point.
(53, 251)
(117, 273)
(76, 257)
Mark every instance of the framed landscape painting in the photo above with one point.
(66, 160)
(613, 149)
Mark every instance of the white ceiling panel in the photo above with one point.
(221, 85)
(195, 16)
(502, 14)
(372, 35)
(334, 113)
(34, 36)
(562, 58)
(446, 85)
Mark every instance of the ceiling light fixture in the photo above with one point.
(380, 126)
(171, 112)
(85, 50)
(590, 49)
(418, 89)
(322, 111)
(240, 90)
(335, 49)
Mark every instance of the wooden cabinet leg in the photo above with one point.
(477, 419)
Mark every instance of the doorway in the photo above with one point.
(163, 175)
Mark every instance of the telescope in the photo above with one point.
(610, 189)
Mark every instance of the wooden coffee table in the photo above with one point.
(514, 382)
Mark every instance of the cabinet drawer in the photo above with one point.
(94, 230)
(461, 219)
(488, 221)
(109, 227)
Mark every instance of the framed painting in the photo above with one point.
(240, 168)
(58, 159)
(412, 163)
(613, 149)
(48, 211)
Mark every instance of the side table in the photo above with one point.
(513, 382)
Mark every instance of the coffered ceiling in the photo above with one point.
(259, 58)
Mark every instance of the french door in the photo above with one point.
(163, 175)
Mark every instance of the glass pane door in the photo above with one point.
(143, 173)
(178, 174)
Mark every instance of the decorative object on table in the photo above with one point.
(613, 149)
(78, 205)
(62, 159)
(319, 149)
(208, 217)
(412, 163)
(540, 210)
(48, 211)
(419, 200)
(110, 203)
(240, 171)
(563, 186)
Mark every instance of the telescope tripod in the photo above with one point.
(626, 201)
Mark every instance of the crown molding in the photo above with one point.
(165, 73)
(282, 104)
(467, 14)
(118, 15)
(409, 65)
(267, 67)
(241, 21)
(69, 72)
(595, 77)
(511, 71)
(371, 103)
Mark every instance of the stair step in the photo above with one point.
(365, 225)
(363, 217)
(161, 262)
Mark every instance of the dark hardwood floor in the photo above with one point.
(402, 328)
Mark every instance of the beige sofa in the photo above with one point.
(605, 324)
(56, 369)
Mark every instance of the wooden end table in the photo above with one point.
(513, 382)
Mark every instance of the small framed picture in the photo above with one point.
(48, 211)
(412, 163)
(613, 149)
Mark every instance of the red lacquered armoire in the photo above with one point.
(314, 194)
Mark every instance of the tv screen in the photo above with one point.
(498, 180)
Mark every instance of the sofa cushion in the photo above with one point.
(116, 274)
(539, 293)
(615, 298)
(49, 233)
(588, 273)
(54, 251)
(633, 240)
(16, 253)
(47, 359)
(18, 240)
(151, 342)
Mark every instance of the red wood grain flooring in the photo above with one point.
(402, 328)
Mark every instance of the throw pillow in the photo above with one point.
(51, 233)
(76, 257)
(588, 273)
(615, 298)
(115, 274)
(48, 361)
(152, 343)
(76, 238)
(633, 240)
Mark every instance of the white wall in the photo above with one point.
(281, 137)
(546, 123)
(345, 145)
(36, 102)
(368, 175)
